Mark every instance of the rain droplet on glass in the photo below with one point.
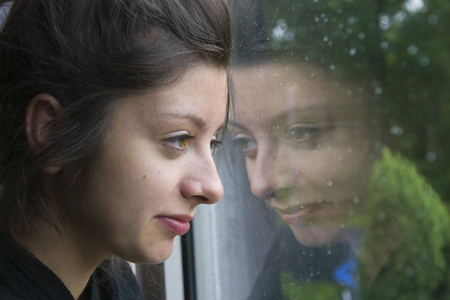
(424, 61)
(413, 49)
(433, 19)
(431, 156)
(378, 91)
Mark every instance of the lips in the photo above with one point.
(177, 224)
(300, 214)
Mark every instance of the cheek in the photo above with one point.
(124, 194)
(327, 167)
(250, 165)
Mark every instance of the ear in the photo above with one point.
(41, 115)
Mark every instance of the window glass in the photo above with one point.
(335, 167)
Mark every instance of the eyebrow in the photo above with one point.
(235, 124)
(283, 116)
(196, 120)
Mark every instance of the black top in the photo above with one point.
(23, 276)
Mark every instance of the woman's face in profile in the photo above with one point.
(155, 168)
(305, 148)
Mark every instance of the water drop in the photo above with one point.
(433, 19)
(399, 16)
(384, 22)
(384, 45)
(396, 130)
(332, 67)
(378, 91)
(413, 49)
(424, 61)
(409, 272)
(431, 156)
(330, 183)
(352, 51)
(356, 200)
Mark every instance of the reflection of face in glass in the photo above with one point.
(305, 148)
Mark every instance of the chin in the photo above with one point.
(151, 254)
(317, 236)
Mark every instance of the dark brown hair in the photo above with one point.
(89, 54)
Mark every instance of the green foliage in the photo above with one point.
(407, 224)
(314, 290)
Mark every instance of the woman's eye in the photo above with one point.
(215, 145)
(246, 144)
(301, 132)
(179, 142)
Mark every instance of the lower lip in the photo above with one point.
(304, 215)
(176, 226)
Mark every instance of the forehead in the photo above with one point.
(201, 91)
(271, 90)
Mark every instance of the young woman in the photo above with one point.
(109, 110)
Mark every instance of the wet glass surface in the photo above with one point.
(335, 168)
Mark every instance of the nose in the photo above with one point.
(269, 172)
(203, 183)
(261, 173)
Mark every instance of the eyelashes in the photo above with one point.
(181, 142)
(303, 136)
(246, 144)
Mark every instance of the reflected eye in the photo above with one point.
(179, 142)
(246, 144)
(301, 132)
(215, 145)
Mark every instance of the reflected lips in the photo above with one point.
(295, 217)
(176, 224)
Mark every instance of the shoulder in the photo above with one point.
(114, 279)
(22, 276)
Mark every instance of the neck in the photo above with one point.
(69, 257)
